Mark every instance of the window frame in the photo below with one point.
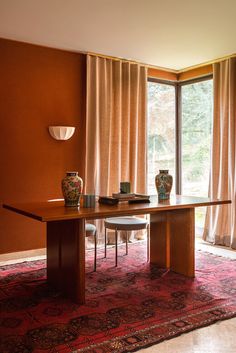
(178, 121)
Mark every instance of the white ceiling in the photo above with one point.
(173, 34)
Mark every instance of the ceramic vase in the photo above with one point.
(72, 187)
(164, 182)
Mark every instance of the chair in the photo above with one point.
(127, 224)
(91, 230)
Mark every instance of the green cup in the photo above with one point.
(125, 187)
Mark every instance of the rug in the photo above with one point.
(128, 308)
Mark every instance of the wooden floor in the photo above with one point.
(217, 338)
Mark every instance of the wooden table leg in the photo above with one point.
(66, 257)
(159, 239)
(172, 237)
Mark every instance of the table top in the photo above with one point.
(55, 210)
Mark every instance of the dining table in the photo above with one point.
(172, 235)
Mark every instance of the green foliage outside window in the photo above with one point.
(196, 134)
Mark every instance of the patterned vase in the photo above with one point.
(72, 186)
(164, 183)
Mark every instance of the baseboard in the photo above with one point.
(19, 255)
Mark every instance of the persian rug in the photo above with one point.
(127, 308)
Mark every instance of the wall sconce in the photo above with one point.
(61, 132)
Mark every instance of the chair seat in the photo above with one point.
(90, 229)
(126, 223)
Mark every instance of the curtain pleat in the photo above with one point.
(220, 220)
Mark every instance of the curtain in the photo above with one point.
(220, 220)
(115, 125)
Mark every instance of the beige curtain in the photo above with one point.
(220, 220)
(115, 126)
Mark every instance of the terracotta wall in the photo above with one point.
(162, 74)
(183, 75)
(38, 87)
(195, 73)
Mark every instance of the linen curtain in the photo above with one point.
(115, 126)
(220, 220)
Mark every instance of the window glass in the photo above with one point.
(197, 105)
(161, 132)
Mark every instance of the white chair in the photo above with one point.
(91, 230)
(127, 223)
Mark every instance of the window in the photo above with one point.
(197, 104)
(180, 140)
(196, 137)
(161, 131)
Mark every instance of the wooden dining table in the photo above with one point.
(172, 235)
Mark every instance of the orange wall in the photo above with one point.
(195, 73)
(38, 87)
(181, 76)
(162, 74)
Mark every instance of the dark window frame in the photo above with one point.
(178, 122)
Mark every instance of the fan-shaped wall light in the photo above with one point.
(61, 132)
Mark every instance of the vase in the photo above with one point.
(72, 187)
(164, 182)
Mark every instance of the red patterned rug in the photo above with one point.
(127, 308)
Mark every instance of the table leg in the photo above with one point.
(172, 240)
(66, 257)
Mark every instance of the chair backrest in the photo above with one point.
(90, 229)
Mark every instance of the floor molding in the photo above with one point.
(22, 256)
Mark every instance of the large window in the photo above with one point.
(196, 102)
(180, 140)
(161, 131)
(196, 137)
